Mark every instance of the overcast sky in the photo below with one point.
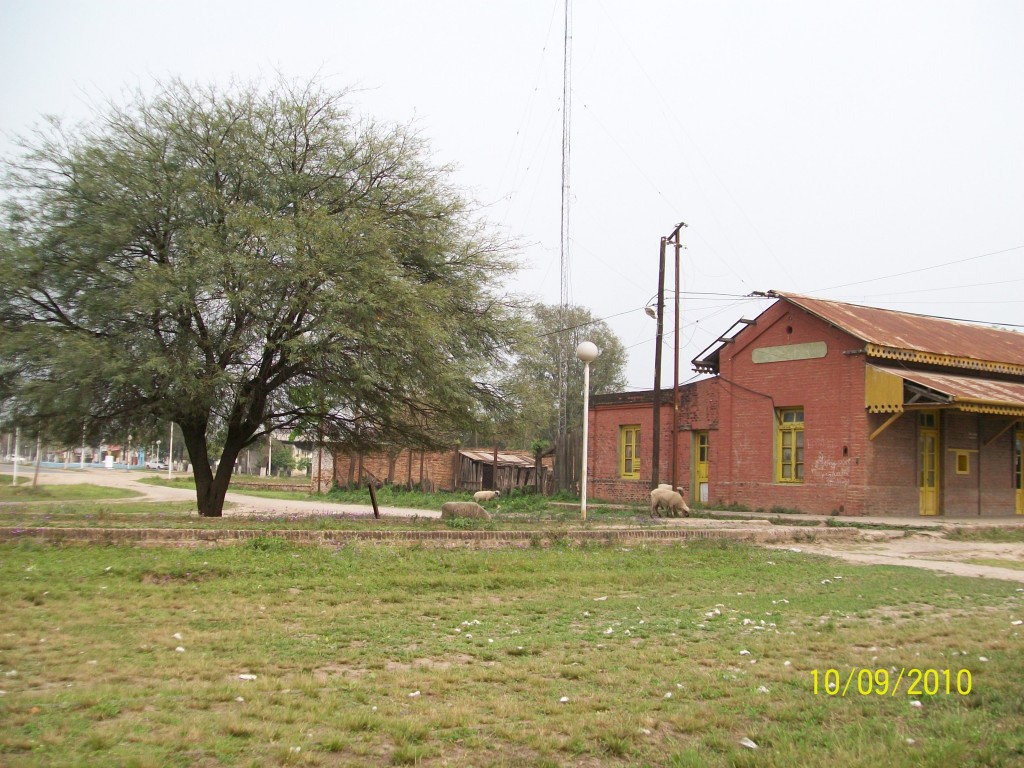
(870, 152)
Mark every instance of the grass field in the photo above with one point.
(591, 656)
(516, 512)
(518, 502)
(76, 492)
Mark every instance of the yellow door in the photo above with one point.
(1018, 469)
(928, 463)
(701, 468)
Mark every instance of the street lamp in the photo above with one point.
(587, 352)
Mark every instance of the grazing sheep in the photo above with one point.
(669, 500)
(465, 509)
(481, 496)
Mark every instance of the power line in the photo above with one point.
(921, 269)
(640, 309)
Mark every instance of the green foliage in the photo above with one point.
(466, 524)
(268, 544)
(243, 260)
(282, 460)
(533, 379)
(732, 506)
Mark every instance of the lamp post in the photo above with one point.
(14, 472)
(587, 352)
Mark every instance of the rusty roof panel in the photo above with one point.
(918, 333)
(968, 393)
(504, 459)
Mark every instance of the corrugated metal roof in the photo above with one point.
(932, 337)
(504, 459)
(968, 393)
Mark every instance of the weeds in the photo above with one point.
(984, 533)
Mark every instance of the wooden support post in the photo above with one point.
(373, 499)
(1000, 433)
(888, 423)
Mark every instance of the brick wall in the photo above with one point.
(698, 410)
(322, 470)
(987, 489)
(830, 389)
(432, 469)
(891, 487)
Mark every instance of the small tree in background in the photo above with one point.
(533, 378)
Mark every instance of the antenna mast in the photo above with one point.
(566, 146)
(561, 459)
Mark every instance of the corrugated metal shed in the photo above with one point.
(504, 459)
(904, 336)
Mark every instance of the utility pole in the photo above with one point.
(675, 367)
(656, 444)
(656, 447)
(562, 469)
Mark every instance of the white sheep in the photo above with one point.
(481, 496)
(465, 509)
(663, 497)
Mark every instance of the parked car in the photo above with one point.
(156, 465)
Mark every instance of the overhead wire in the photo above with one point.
(681, 127)
(921, 269)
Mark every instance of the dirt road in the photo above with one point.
(929, 550)
(238, 503)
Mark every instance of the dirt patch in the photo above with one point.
(426, 663)
(925, 550)
(333, 671)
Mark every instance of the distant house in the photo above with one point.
(452, 470)
(832, 408)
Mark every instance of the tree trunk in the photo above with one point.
(210, 489)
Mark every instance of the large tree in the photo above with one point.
(244, 260)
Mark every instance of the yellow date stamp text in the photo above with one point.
(908, 681)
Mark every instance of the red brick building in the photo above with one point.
(825, 407)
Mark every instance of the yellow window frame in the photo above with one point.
(629, 451)
(789, 445)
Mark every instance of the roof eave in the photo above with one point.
(948, 361)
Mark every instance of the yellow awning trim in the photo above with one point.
(933, 358)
